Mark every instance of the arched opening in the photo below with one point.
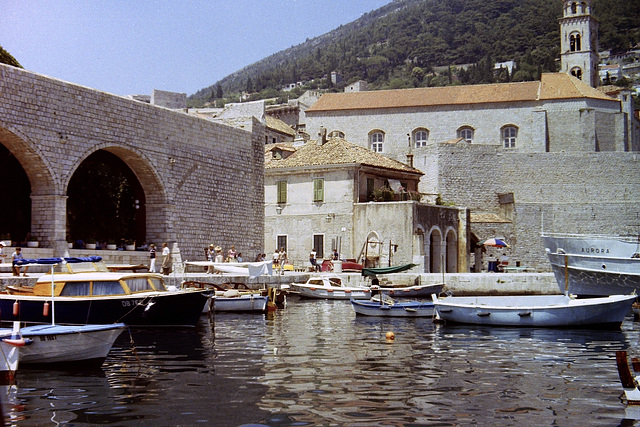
(435, 252)
(451, 252)
(106, 201)
(15, 191)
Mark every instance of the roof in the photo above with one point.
(551, 86)
(336, 151)
(279, 126)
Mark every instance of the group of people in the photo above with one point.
(279, 259)
(166, 259)
(16, 255)
(335, 256)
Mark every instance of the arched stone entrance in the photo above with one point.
(435, 251)
(451, 252)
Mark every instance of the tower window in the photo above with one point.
(575, 43)
(577, 72)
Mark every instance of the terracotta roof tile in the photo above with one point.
(335, 151)
(551, 86)
(279, 126)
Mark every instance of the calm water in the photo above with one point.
(315, 363)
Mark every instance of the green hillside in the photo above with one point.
(413, 43)
(6, 58)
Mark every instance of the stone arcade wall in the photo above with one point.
(203, 181)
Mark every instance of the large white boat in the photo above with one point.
(535, 310)
(329, 287)
(592, 265)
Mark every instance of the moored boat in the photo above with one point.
(592, 265)
(535, 310)
(329, 287)
(136, 299)
(76, 344)
(393, 308)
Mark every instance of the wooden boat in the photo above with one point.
(329, 287)
(535, 310)
(136, 299)
(237, 297)
(54, 344)
(417, 291)
(393, 308)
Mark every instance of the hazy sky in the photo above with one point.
(135, 46)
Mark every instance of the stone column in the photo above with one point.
(49, 221)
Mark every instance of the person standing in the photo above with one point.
(166, 259)
(2, 254)
(152, 258)
(17, 255)
(282, 259)
(313, 261)
(232, 254)
(211, 256)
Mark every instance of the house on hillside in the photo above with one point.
(332, 194)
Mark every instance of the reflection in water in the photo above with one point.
(317, 363)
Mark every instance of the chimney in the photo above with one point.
(323, 136)
(410, 159)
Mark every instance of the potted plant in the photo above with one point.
(32, 242)
(111, 245)
(90, 243)
(130, 245)
(70, 243)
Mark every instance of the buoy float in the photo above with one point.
(391, 336)
(45, 309)
(16, 308)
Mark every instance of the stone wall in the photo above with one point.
(203, 181)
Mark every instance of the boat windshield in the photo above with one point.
(158, 284)
(74, 289)
(334, 281)
(107, 288)
(138, 284)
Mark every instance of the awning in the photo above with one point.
(386, 270)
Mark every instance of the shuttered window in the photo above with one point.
(282, 191)
(318, 190)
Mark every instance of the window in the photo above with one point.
(577, 72)
(282, 192)
(281, 242)
(138, 284)
(107, 288)
(318, 245)
(376, 139)
(318, 189)
(466, 132)
(371, 183)
(420, 137)
(574, 43)
(509, 136)
(336, 134)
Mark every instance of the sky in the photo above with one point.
(135, 46)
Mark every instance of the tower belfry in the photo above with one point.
(579, 41)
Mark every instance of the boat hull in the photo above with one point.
(181, 308)
(54, 344)
(399, 309)
(322, 292)
(593, 266)
(9, 360)
(244, 303)
(536, 310)
(419, 291)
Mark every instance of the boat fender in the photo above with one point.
(16, 308)
(45, 309)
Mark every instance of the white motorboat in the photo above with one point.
(329, 287)
(592, 265)
(52, 344)
(235, 301)
(535, 310)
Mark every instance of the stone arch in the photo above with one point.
(373, 248)
(153, 201)
(451, 251)
(42, 187)
(419, 247)
(435, 250)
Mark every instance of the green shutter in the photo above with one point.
(318, 190)
(282, 191)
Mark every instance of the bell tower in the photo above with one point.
(579, 41)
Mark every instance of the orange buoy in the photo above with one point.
(390, 336)
(45, 309)
(16, 308)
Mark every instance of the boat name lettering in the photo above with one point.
(595, 250)
(131, 303)
(47, 337)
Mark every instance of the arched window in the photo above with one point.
(576, 72)
(574, 8)
(509, 135)
(336, 134)
(376, 141)
(575, 44)
(420, 137)
(466, 132)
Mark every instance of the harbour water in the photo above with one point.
(316, 363)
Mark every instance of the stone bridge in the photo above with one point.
(201, 181)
